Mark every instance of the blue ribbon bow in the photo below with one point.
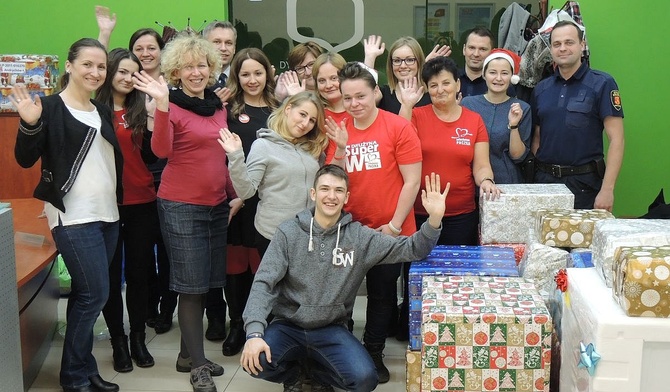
(588, 357)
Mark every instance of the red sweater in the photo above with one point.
(138, 183)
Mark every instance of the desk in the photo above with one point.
(15, 181)
(37, 284)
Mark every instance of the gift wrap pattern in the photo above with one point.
(632, 350)
(611, 234)
(454, 260)
(484, 334)
(581, 258)
(509, 218)
(568, 228)
(519, 250)
(413, 363)
(642, 280)
(540, 264)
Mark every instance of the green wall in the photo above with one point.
(627, 40)
(50, 27)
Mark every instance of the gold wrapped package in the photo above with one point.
(568, 228)
(642, 280)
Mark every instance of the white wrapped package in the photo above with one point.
(509, 218)
(631, 349)
(610, 234)
(540, 263)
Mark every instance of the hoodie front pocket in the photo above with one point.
(315, 316)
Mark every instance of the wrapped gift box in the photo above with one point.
(611, 234)
(519, 250)
(642, 280)
(568, 228)
(581, 258)
(39, 73)
(509, 218)
(540, 264)
(454, 260)
(413, 368)
(630, 348)
(484, 334)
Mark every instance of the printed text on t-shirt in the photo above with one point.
(365, 153)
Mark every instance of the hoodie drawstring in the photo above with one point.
(310, 247)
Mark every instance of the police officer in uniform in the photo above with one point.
(570, 110)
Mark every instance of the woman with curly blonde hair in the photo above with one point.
(196, 195)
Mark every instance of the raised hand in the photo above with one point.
(433, 200)
(373, 47)
(515, 114)
(106, 21)
(29, 111)
(293, 83)
(410, 91)
(157, 89)
(337, 132)
(438, 51)
(224, 94)
(230, 142)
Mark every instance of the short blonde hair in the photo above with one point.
(184, 49)
(414, 46)
(315, 141)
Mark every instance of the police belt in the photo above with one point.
(563, 171)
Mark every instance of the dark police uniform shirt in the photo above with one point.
(471, 87)
(570, 114)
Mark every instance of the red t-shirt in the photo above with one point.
(372, 160)
(338, 117)
(138, 182)
(448, 150)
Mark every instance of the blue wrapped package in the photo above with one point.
(582, 259)
(454, 260)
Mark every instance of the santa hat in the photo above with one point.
(513, 59)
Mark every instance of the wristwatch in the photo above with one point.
(255, 335)
(510, 127)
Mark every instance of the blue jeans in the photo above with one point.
(87, 250)
(195, 239)
(336, 357)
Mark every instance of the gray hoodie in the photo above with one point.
(310, 276)
(280, 171)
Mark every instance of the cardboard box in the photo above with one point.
(631, 349)
(509, 218)
(642, 280)
(611, 234)
(484, 334)
(568, 228)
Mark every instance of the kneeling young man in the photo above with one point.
(309, 278)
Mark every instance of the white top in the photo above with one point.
(93, 195)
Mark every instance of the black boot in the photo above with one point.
(376, 351)
(138, 350)
(237, 291)
(121, 354)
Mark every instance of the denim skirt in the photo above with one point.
(195, 239)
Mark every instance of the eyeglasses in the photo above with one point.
(408, 61)
(300, 69)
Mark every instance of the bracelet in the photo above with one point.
(255, 335)
(487, 179)
(394, 229)
(150, 116)
(340, 156)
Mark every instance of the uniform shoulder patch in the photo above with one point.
(615, 97)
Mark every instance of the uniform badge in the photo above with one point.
(616, 99)
(243, 118)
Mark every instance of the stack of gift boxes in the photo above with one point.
(537, 222)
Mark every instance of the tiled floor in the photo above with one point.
(164, 377)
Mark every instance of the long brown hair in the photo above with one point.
(233, 83)
(136, 113)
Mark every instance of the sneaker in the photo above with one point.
(184, 366)
(316, 387)
(293, 387)
(201, 379)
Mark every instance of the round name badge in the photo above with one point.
(243, 118)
